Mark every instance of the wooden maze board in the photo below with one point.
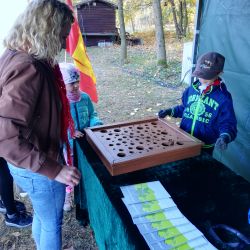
(130, 146)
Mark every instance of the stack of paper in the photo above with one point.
(159, 220)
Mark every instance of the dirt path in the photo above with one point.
(125, 93)
(127, 96)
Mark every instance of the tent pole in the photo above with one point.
(196, 35)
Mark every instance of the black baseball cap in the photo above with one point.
(209, 65)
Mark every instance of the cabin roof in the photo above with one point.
(85, 2)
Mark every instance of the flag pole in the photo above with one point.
(76, 48)
(65, 56)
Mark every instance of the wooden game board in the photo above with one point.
(130, 146)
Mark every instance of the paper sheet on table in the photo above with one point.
(148, 207)
(200, 243)
(159, 225)
(188, 232)
(168, 213)
(144, 192)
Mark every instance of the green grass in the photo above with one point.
(141, 62)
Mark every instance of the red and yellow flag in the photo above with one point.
(76, 48)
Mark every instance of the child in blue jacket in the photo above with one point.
(207, 108)
(84, 115)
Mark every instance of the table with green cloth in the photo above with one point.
(205, 191)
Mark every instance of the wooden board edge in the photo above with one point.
(129, 166)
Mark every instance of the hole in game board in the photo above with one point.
(121, 154)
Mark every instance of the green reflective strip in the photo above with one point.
(195, 116)
(208, 145)
(176, 241)
(171, 235)
(144, 192)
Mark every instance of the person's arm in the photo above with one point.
(93, 117)
(176, 111)
(227, 124)
(21, 86)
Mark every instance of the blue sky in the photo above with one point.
(8, 13)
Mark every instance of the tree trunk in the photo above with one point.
(177, 28)
(159, 33)
(132, 24)
(122, 32)
(180, 18)
(185, 21)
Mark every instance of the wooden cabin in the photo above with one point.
(97, 21)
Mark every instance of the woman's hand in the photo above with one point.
(78, 134)
(69, 175)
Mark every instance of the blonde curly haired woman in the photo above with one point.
(35, 116)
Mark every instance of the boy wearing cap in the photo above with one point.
(207, 108)
(84, 115)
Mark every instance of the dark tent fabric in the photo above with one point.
(225, 28)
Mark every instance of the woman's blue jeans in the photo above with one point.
(47, 197)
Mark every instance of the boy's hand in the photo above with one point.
(78, 134)
(222, 141)
(98, 123)
(69, 175)
(164, 112)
